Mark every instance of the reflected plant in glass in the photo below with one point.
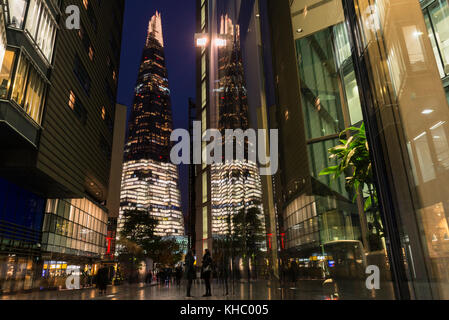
(353, 161)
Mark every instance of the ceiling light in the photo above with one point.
(427, 111)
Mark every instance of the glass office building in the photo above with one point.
(365, 77)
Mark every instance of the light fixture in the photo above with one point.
(299, 30)
(427, 111)
(220, 42)
(201, 39)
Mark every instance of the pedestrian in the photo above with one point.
(178, 274)
(206, 272)
(103, 279)
(190, 270)
(149, 277)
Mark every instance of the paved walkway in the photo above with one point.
(261, 290)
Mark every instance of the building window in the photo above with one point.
(82, 75)
(205, 224)
(92, 17)
(77, 108)
(204, 185)
(91, 53)
(28, 89)
(86, 42)
(437, 21)
(103, 113)
(5, 73)
(17, 10)
(41, 26)
(72, 100)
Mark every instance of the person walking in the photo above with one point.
(189, 270)
(102, 279)
(178, 275)
(149, 277)
(206, 272)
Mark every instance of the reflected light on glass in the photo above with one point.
(201, 42)
(427, 111)
(220, 42)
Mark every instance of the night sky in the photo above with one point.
(178, 26)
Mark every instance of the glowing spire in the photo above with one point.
(155, 28)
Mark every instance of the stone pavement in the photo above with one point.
(260, 290)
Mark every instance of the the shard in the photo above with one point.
(150, 181)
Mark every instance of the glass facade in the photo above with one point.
(151, 187)
(233, 187)
(359, 92)
(40, 24)
(75, 227)
(21, 216)
(22, 83)
(436, 15)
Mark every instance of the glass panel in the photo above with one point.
(34, 12)
(353, 98)
(439, 14)
(434, 45)
(20, 80)
(34, 95)
(414, 114)
(5, 73)
(17, 10)
(204, 184)
(205, 224)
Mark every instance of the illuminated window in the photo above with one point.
(205, 223)
(28, 89)
(91, 53)
(437, 20)
(103, 113)
(72, 100)
(5, 73)
(204, 184)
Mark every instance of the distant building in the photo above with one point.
(150, 181)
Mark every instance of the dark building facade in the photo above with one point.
(150, 180)
(191, 216)
(57, 122)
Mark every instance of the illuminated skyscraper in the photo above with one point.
(236, 184)
(150, 180)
